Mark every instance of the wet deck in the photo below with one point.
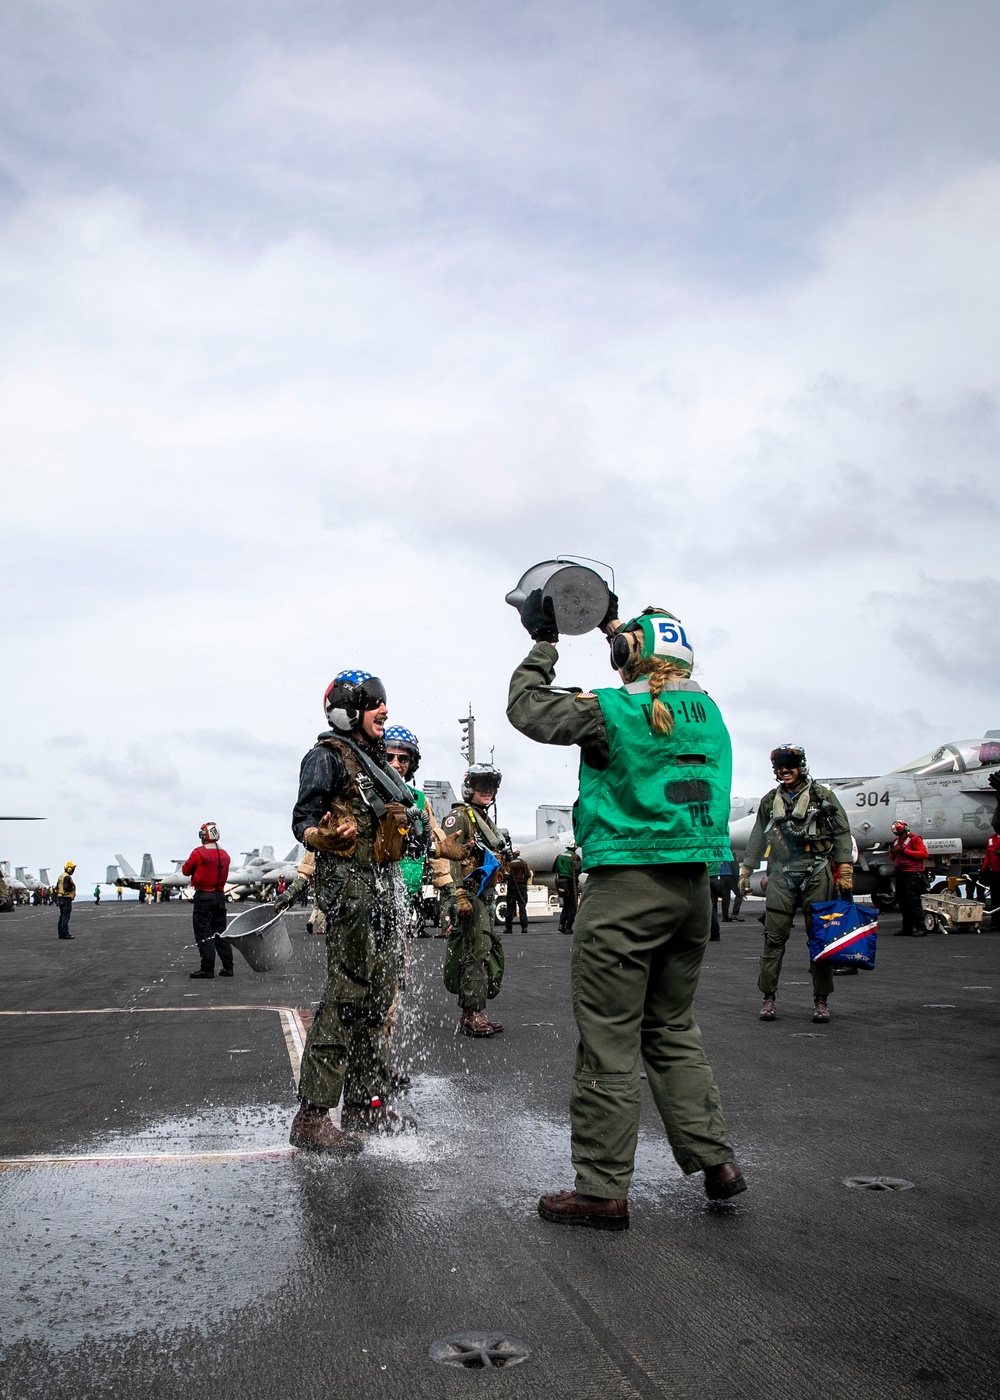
(191, 1254)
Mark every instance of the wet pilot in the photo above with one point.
(356, 814)
(803, 831)
(652, 814)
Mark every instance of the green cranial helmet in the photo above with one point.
(654, 633)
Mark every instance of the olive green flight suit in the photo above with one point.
(639, 940)
(478, 930)
(801, 856)
(346, 1049)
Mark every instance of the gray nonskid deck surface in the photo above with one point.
(262, 1276)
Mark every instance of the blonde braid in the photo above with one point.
(660, 671)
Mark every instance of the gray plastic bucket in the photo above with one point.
(261, 937)
(579, 596)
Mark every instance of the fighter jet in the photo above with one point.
(122, 873)
(29, 881)
(553, 835)
(10, 887)
(260, 869)
(945, 795)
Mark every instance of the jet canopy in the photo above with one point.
(960, 757)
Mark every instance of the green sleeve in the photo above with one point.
(553, 717)
(754, 853)
(840, 830)
(461, 829)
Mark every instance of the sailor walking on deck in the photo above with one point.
(803, 832)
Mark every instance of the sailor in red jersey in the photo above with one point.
(208, 867)
(908, 854)
(991, 873)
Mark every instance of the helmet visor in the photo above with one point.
(787, 758)
(370, 694)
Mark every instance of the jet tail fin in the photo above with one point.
(293, 855)
(147, 872)
(43, 875)
(19, 872)
(125, 867)
(111, 875)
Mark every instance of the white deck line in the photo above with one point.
(140, 1159)
(294, 1037)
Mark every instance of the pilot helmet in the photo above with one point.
(789, 756)
(208, 832)
(397, 737)
(348, 696)
(898, 828)
(481, 775)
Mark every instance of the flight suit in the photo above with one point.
(652, 813)
(802, 839)
(346, 1049)
(477, 928)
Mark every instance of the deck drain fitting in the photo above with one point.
(478, 1351)
(879, 1183)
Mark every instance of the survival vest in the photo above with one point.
(799, 828)
(663, 799)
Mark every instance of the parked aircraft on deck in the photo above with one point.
(122, 873)
(29, 881)
(260, 869)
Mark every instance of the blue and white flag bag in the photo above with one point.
(842, 933)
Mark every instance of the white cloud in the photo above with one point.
(323, 403)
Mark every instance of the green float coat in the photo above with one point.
(663, 798)
(412, 870)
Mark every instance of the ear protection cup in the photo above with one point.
(623, 648)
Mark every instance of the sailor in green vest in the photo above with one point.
(566, 886)
(803, 833)
(651, 816)
(402, 752)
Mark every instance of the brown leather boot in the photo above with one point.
(768, 1012)
(313, 1130)
(570, 1208)
(821, 1012)
(495, 1026)
(724, 1181)
(474, 1023)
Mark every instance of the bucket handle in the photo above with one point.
(575, 559)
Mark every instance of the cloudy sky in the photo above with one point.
(321, 322)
